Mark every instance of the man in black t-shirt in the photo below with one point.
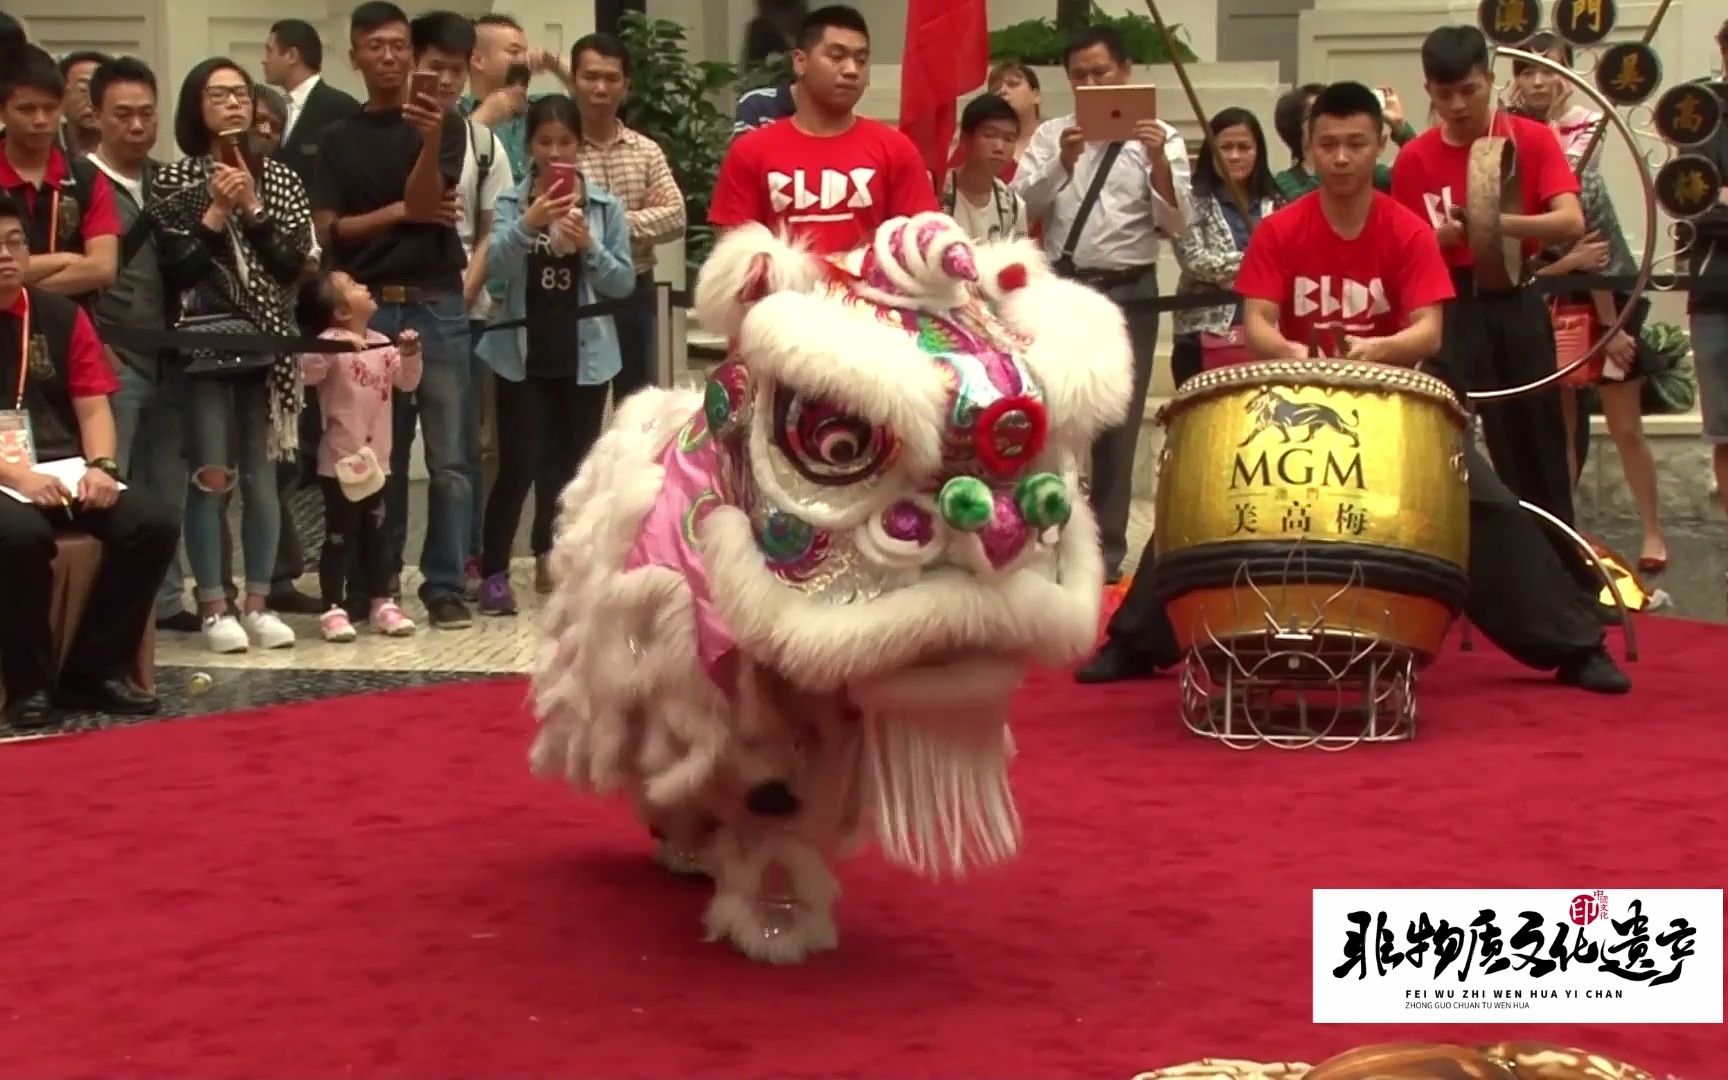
(384, 200)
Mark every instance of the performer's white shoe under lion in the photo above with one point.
(790, 609)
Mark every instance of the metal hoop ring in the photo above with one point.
(1645, 264)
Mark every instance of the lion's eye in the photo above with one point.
(826, 444)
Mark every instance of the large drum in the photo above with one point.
(1322, 496)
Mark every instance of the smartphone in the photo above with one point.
(1109, 113)
(561, 179)
(227, 148)
(518, 75)
(423, 88)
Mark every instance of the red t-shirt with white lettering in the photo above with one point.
(1327, 287)
(832, 192)
(1430, 176)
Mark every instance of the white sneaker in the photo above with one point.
(269, 632)
(223, 634)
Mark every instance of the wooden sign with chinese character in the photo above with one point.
(1628, 73)
(1688, 186)
(1509, 22)
(1584, 22)
(1688, 114)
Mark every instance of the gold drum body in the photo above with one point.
(1322, 495)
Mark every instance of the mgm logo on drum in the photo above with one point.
(1293, 463)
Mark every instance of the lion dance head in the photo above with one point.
(790, 608)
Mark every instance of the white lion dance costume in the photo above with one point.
(790, 611)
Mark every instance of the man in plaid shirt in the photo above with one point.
(633, 168)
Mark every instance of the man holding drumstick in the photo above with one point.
(1302, 267)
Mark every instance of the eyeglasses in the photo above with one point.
(218, 94)
(15, 245)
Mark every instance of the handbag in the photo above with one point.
(1223, 350)
(1064, 264)
(1574, 329)
(359, 474)
(220, 363)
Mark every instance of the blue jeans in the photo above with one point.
(1710, 364)
(441, 406)
(214, 409)
(478, 374)
(150, 445)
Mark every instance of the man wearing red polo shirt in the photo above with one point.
(70, 216)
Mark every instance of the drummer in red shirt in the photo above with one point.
(1497, 339)
(1350, 271)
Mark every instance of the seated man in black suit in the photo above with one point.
(54, 387)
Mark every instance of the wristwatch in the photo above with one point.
(107, 465)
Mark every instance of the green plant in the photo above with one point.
(1039, 42)
(675, 101)
(773, 71)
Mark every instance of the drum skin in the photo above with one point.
(1308, 477)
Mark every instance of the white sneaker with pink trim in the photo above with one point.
(387, 619)
(336, 626)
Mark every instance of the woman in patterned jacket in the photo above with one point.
(253, 223)
(1210, 252)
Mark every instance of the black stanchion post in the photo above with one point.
(666, 337)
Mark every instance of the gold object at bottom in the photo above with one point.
(1417, 623)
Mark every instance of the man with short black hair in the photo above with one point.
(150, 406)
(633, 168)
(825, 174)
(79, 132)
(1290, 120)
(494, 98)
(294, 61)
(1497, 339)
(1353, 239)
(68, 205)
(1109, 240)
(974, 194)
(385, 203)
(54, 408)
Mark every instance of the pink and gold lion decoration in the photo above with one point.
(791, 607)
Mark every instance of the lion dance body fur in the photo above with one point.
(790, 609)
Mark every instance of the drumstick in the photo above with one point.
(1602, 126)
(1237, 195)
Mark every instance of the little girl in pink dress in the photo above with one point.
(354, 392)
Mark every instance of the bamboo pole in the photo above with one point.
(1237, 195)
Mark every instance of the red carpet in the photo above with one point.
(375, 888)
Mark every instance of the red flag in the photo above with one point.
(947, 55)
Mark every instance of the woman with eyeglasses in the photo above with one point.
(559, 242)
(254, 227)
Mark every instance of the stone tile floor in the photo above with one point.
(195, 682)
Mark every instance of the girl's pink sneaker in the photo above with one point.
(335, 625)
(387, 619)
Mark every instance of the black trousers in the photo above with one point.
(354, 539)
(1187, 359)
(545, 428)
(636, 342)
(1112, 486)
(138, 535)
(1496, 341)
(1521, 595)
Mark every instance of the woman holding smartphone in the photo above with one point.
(558, 243)
(253, 225)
